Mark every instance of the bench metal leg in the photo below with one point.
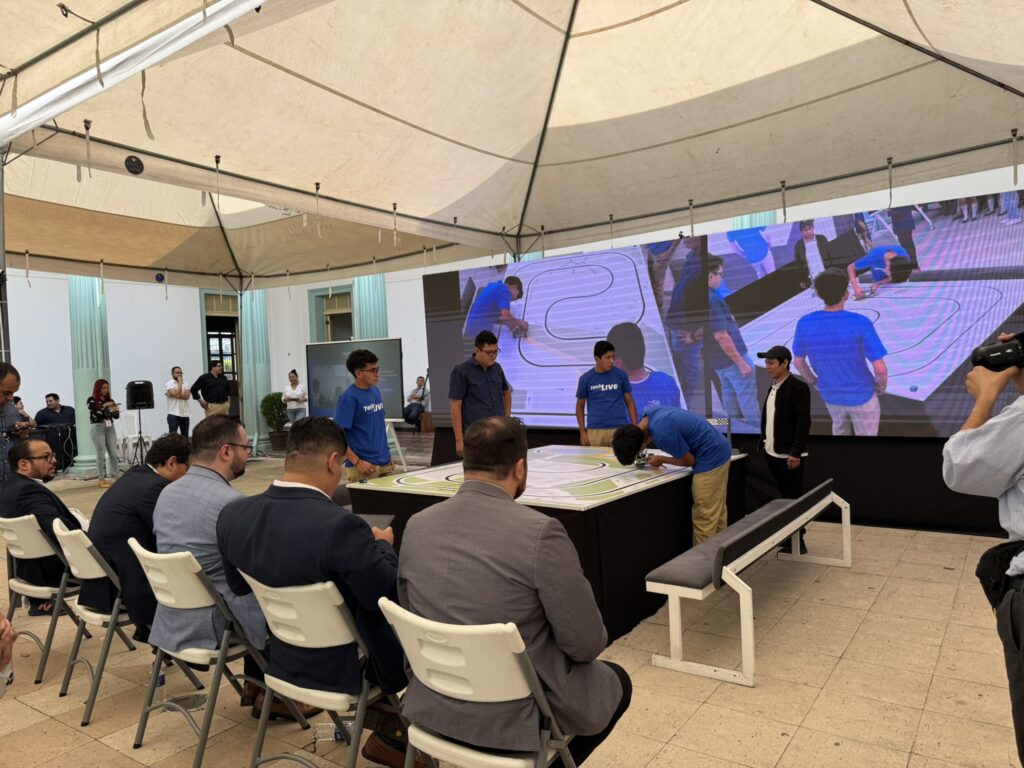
(843, 562)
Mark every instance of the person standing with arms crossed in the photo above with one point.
(477, 388)
(604, 391)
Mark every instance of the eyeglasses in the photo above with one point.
(51, 456)
(247, 446)
(374, 370)
(491, 352)
(719, 273)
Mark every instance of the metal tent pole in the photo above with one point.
(5, 333)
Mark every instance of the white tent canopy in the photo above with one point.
(509, 115)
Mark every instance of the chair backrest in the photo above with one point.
(174, 577)
(82, 557)
(309, 616)
(478, 663)
(24, 538)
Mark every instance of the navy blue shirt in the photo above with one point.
(679, 432)
(605, 394)
(722, 320)
(838, 345)
(360, 413)
(480, 389)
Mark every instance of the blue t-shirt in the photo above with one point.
(605, 394)
(680, 432)
(838, 346)
(487, 307)
(722, 320)
(754, 246)
(657, 389)
(360, 413)
(875, 260)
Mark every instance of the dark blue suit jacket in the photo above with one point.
(291, 536)
(20, 495)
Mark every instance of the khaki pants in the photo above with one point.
(213, 409)
(600, 438)
(353, 475)
(709, 512)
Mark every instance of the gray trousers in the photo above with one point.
(856, 419)
(1010, 626)
(104, 439)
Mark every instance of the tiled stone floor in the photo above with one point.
(894, 662)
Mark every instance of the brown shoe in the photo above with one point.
(280, 709)
(249, 693)
(376, 750)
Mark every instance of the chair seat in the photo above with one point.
(22, 587)
(205, 656)
(329, 700)
(98, 619)
(467, 757)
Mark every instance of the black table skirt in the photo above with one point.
(619, 543)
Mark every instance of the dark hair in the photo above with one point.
(20, 450)
(806, 224)
(358, 360)
(493, 445)
(6, 369)
(714, 262)
(484, 338)
(602, 348)
(211, 433)
(97, 387)
(513, 280)
(173, 367)
(17, 399)
(313, 436)
(53, 395)
(293, 371)
(900, 269)
(830, 285)
(629, 345)
(164, 447)
(215, 363)
(627, 442)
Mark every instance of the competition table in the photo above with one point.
(623, 521)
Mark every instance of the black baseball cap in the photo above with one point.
(778, 352)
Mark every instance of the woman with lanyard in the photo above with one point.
(294, 397)
(102, 412)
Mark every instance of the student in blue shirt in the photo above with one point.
(648, 387)
(690, 442)
(727, 355)
(753, 245)
(492, 307)
(840, 352)
(605, 392)
(888, 264)
(360, 412)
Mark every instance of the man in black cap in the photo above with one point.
(785, 424)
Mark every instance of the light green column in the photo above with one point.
(763, 219)
(256, 379)
(532, 256)
(90, 359)
(370, 307)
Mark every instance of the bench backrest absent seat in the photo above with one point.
(701, 570)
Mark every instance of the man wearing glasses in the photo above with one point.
(185, 520)
(360, 412)
(33, 463)
(478, 388)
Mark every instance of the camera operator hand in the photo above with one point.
(985, 386)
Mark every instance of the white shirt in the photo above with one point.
(288, 484)
(814, 263)
(290, 395)
(175, 405)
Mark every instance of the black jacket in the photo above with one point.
(800, 256)
(124, 511)
(20, 495)
(792, 421)
(294, 536)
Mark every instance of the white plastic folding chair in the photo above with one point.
(25, 541)
(86, 562)
(311, 616)
(482, 663)
(178, 582)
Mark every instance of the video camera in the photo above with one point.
(1000, 355)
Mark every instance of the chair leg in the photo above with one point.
(261, 731)
(357, 725)
(125, 639)
(190, 675)
(57, 604)
(410, 755)
(211, 702)
(71, 660)
(158, 664)
(97, 674)
(12, 603)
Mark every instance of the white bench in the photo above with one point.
(701, 571)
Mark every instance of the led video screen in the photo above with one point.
(881, 310)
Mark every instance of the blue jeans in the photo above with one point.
(104, 439)
(739, 396)
(177, 424)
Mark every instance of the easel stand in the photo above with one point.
(393, 438)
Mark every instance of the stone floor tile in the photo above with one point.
(965, 742)
(814, 749)
(672, 756)
(974, 701)
(896, 686)
(892, 653)
(656, 715)
(742, 738)
(624, 750)
(793, 665)
(864, 719)
(39, 743)
(985, 668)
(770, 698)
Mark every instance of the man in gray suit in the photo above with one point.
(185, 520)
(480, 558)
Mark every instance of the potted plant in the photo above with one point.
(275, 413)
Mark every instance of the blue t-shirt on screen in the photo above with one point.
(875, 260)
(838, 346)
(487, 307)
(722, 320)
(605, 394)
(657, 389)
(754, 246)
(360, 413)
(680, 432)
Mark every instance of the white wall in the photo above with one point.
(406, 320)
(288, 326)
(41, 337)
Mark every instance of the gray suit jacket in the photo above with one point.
(185, 520)
(480, 558)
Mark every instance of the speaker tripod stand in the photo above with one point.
(138, 446)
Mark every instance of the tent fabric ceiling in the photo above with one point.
(449, 109)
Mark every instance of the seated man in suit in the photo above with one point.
(33, 463)
(509, 563)
(293, 534)
(124, 511)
